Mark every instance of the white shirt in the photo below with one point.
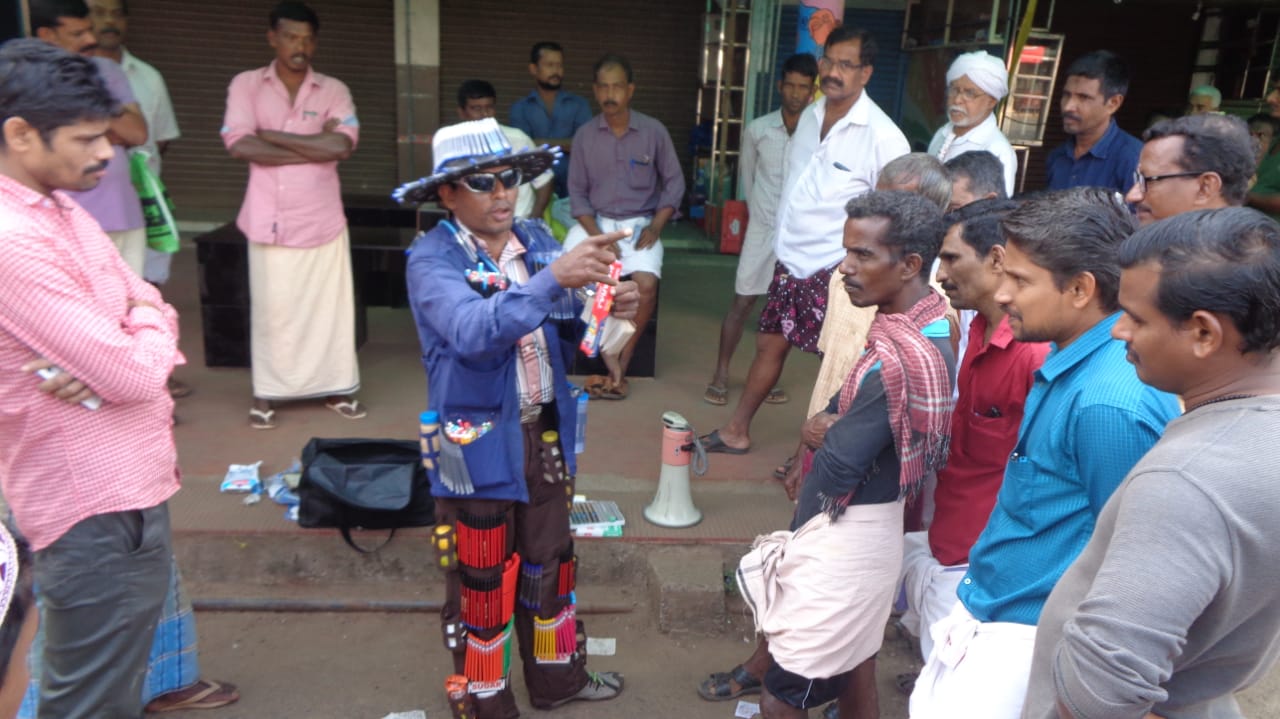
(153, 99)
(985, 136)
(525, 197)
(760, 167)
(823, 174)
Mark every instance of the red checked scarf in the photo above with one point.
(917, 388)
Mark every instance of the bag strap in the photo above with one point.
(346, 535)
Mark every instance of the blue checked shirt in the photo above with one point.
(1088, 420)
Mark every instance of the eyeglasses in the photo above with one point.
(1141, 181)
(968, 93)
(485, 181)
(844, 65)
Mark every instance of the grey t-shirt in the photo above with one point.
(1174, 605)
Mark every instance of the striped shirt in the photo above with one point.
(1087, 420)
(533, 371)
(64, 296)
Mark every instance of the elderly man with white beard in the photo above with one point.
(976, 82)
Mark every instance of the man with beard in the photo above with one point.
(1099, 153)
(1086, 421)
(110, 25)
(976, 82)
(113, 202)
(760, 181)
(293, 125)
(624, 174)
(88, 461)
(549, 114)
(836, 154)
(1197, 162)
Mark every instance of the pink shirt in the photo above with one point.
(64, 293)
(290, 205)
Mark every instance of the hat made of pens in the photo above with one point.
(470, 147)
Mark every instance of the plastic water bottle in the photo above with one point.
(429, 438)
(580, 436)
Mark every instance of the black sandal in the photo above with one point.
(719, 686)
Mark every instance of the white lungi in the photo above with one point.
(133, 247)
(977, 670)
(633, 260)
(756, 261)
(156, 267)
(302, 320)
(930, 588)
(821, 595)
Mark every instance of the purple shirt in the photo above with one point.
(114, 203)
(618, 177)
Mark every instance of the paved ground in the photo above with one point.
(364, 666)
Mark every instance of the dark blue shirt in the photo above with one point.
(1109, 163)
(567, 114)
(1088, 419)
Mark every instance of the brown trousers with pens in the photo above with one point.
(539, 532)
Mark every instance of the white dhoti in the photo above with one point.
(930, 588)
(633, 260)
(133, 247)
(302, 320)
(756, 261)
(977, 670)
(821, 595)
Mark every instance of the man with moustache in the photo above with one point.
(1086, 421)
(880, 435)
(976, 82)
(1099, 153)
(495, 360)
(88, 462)
(1122, 635)
(624, 174)
(550, 114)
(113, 202)
(764, 149)
(110, 26)
(293, 125)
(994, 379)
(1189, 163)
(836, 153)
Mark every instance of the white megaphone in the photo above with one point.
(673, 506)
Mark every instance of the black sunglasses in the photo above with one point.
(485, 181)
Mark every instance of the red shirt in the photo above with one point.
(64, 296)
(994, 380)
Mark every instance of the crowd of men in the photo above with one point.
(1036, 439)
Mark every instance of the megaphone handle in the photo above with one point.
(699, 463)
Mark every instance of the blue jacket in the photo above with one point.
(469, 351)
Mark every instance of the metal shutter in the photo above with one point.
(199, 47)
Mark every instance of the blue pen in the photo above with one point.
(841, 167)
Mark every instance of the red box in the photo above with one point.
(733, 226)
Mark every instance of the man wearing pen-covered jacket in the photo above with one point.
(482, 287)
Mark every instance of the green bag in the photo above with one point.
(157, 208)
